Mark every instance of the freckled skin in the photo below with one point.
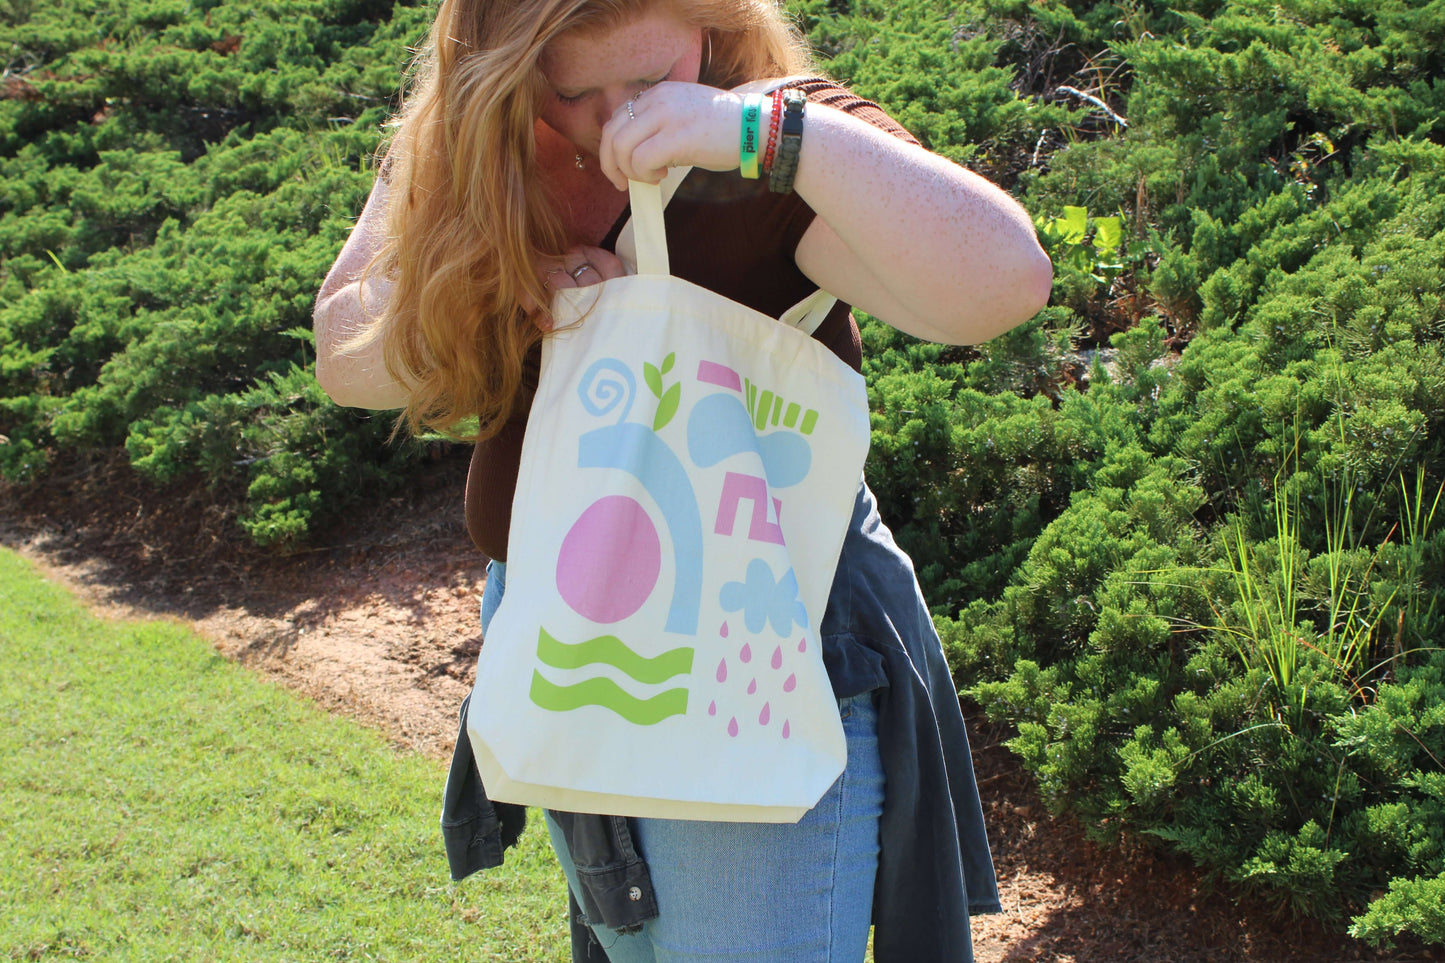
(605, 69)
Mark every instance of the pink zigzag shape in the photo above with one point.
(736, 488)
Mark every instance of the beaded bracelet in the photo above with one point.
(775, 118)
(785, 165)
(748, 145)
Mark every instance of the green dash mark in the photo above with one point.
(765, 406)
(610, 650)
(608, 695)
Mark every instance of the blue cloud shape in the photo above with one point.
(763, 600)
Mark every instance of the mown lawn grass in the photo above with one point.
(158, 802)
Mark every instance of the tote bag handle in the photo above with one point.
(645, 237)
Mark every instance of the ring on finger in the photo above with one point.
(585, 266)
(629, 110)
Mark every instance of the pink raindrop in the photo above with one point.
(787, 729)
(765, 715)
(747, 653)
(790, 683)
(803, 645)
(712, 708)
(724, 630)
(722, 670)
(752, 687)
(733, 727)
(778, 657)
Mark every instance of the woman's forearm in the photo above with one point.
(356, 377)
(912, 238)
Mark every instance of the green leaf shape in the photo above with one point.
(609, 695)
(668, 362)
(653, 377)
(610, 650)
(1108, 234)
(1074, 224)
(667, 407)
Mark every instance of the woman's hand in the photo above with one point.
(580, 267)
(672, 125)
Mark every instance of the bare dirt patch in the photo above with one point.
(380, 623)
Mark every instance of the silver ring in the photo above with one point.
(584, 267)
(629, 111)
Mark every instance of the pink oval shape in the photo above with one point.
(724, 631)
(778, 657)
(752, 687)
(733, 727)
(722, 670)
(747, 653)
(791, 683)
(609, 560)
(712, 708)
(765, 715)
(803, 645)
(787, 730)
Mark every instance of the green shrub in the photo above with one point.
(176, 189)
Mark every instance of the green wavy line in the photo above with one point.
(610, 650)
(608, 695)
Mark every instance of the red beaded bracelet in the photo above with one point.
(773, 123)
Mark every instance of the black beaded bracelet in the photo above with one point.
(790, 143)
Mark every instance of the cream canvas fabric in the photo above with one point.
(688, 474)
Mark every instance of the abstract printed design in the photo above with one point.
(765, 408)
(601, 691)
(764, 600)
(610, 561)
(762, 689)
(719, 427)
(738, 488)
(639, 451)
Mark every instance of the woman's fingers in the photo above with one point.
(621, 139)
(580, 266)
(671, 125)
(595, 265)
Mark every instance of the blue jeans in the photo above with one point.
(757, 892)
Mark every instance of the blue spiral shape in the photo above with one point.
(607, 384)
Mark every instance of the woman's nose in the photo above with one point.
(611, 102)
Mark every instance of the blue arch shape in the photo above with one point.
(637, 450)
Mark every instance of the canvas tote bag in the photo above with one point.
(688, 474)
